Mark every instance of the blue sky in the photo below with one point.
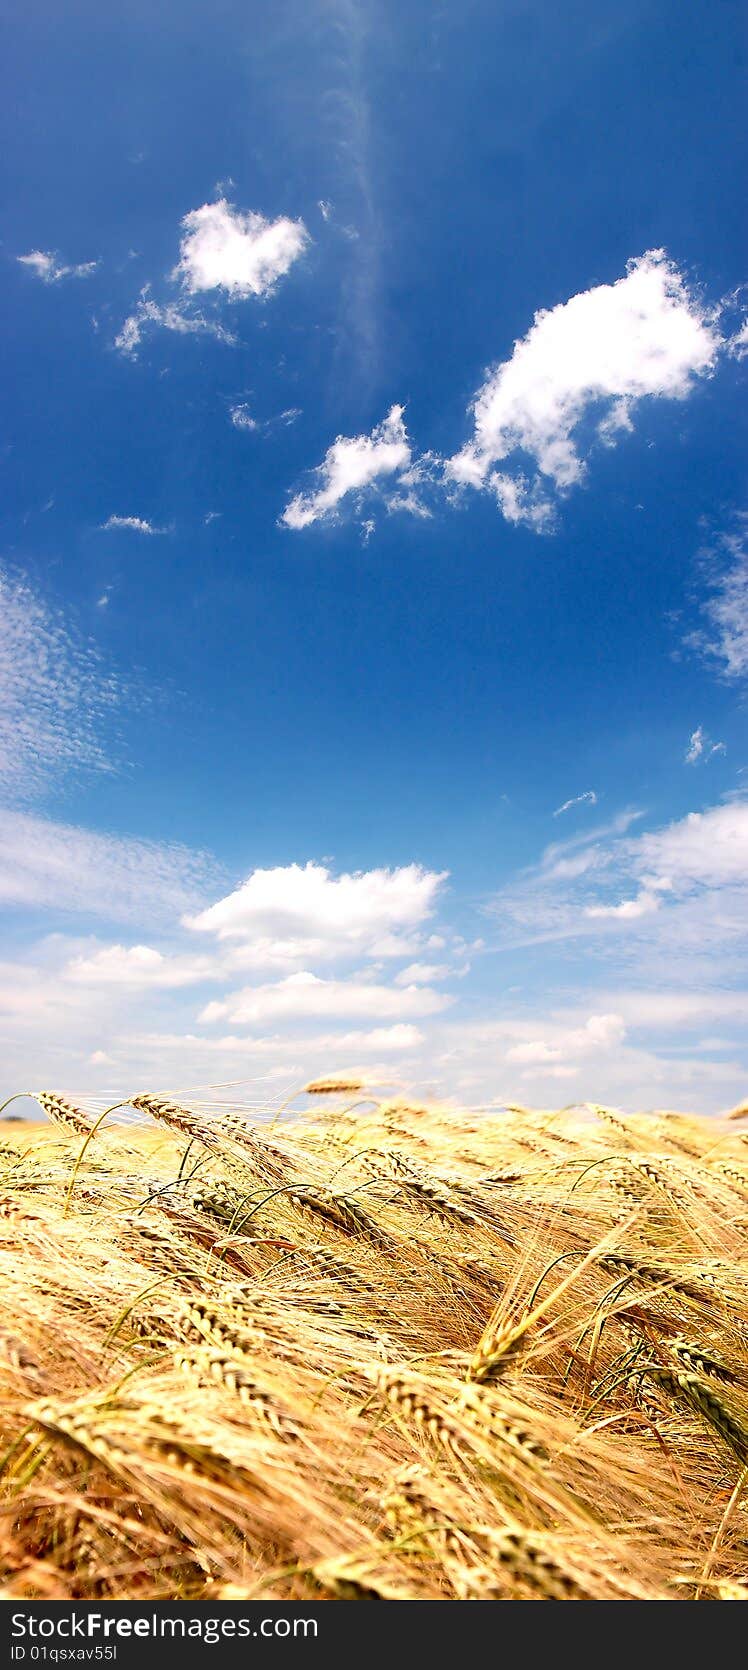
(374, 488)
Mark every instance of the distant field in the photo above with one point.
(382, 1352)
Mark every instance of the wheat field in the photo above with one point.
(376, 1350)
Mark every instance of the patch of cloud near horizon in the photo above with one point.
(50, 269)
(56, 694)
(306, 996)
(290, 922)
(358, 465)
(598, 1032)
(576, 379)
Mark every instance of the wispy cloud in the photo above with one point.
(723, 640)
(244, 254)
(45, 863)
(584, 365)
(57, 697)
(50, 269)
(668, 891)
(701, 748)
(170, 316)
(738, 344)
(589, 796)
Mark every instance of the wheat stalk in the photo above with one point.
(64, 1113)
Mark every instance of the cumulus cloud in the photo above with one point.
(355, 466)
(50, 270)
(170, 316)
(701, 748)
(577, 376)
(135, 524)
(306, 996)
(304, 910)
(589, 797)
(56, 695)
(704, 849)
(243, 254)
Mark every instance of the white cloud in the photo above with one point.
(629, 910)
(701, 748)
(738, 344)
(242, 418)
(704, 849)
(422, 974)
(305, 996)
(125, 1008)
(137, 966)
(171, 316)
(123, 880)
(85, 1011)
(134, 524)
(678, 1009)
(50, 270)
(680, 890)
(56, 695)
(616, 1069)
(599, 1032)
(173, 1051)
(303, 909)
(244, 254)
(695, 747)
(590, 358)
(589, 796)
(724, 639)
(355, 466)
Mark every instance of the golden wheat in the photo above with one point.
(373, 1354)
